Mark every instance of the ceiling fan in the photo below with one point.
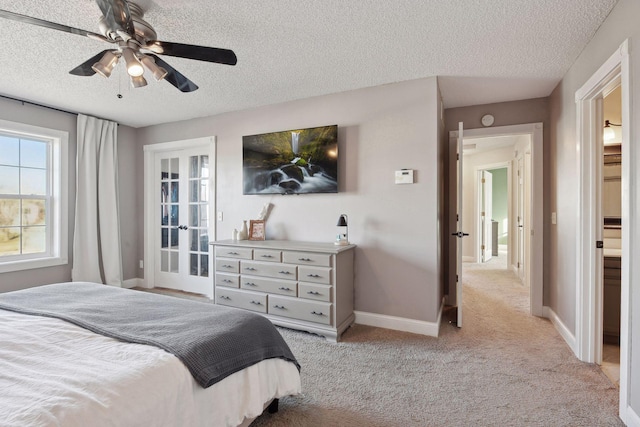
(136, 42)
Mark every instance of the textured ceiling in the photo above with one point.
(484, 51)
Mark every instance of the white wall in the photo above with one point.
(396, 227)
(621, 24)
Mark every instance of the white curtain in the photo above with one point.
(96, 241)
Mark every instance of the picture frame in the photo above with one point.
(257, 229)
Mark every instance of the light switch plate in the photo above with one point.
(554, 218)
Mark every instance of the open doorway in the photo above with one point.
(590, 260)
(611, 205)
(498, 187)
(514, 142)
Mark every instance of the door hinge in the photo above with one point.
(457, 156)
(456, 277)
(483, 180)
(482, 247)
(482, 214)
(518, 264)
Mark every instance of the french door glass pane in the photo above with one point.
(204, 265)
(193, 215)
(164, 169)
(204, 241)
(164, 237)
(175, 168)
(175, 262)
(174, 238)
(204, 166)
(164, 261)
(193, 264)
(193, 237)
(175, 214)
(193, 167)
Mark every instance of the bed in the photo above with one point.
(54, 372)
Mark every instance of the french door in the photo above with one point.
(182, 220)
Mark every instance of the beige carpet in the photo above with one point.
(504, 368)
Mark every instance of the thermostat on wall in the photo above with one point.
(404, 176)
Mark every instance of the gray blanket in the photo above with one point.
(212, 341)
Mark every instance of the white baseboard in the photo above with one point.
(400, 323)
(466, 258)
(564, 332)
(132, 283)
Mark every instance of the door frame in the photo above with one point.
(589, 115)
(535, 131)
(489, 166)
(150, 151)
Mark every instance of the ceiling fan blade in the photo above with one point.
(85, 69)
(47, 24)
(117, 14)
(174, 77)
(200, 53)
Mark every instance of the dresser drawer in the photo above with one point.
(311, 311)
(271, 286)
(229, 280)
(306, 258)
(314, 274)
(265, 269)
(228, 265)
(233, 252)
(267, 255)
(314, 291)
(254, 301)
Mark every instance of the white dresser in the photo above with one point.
(299, 285)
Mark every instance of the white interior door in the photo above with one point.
(181, 237)
(487, 214)
(459, 233)
(520, 237)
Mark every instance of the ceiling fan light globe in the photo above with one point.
(105, 66)
(134, 66)
(138, 81)
(159, 73)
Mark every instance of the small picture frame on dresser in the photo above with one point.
(256, 229)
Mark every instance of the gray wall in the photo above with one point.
(621, 24)
(127, 151)
(505, 114)
(396, 227)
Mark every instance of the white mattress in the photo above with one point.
(53, 373)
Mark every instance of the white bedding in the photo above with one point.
(53, 373)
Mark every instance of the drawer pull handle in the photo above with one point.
(267, 256)
(284, 289)
(224, 297)
(256, 302)
(233, 253)
(227, 281)
(315, 276)
(305, 259)
(250, 269)
(313, 293)
(250, 284)
(279, 307)
(227, 266)
(285, 272)
(317, 313)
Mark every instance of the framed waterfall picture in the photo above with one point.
(297, 161)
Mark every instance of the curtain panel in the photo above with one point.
(97, 255)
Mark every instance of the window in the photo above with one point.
(33, 203)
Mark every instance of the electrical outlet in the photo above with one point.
(219, 215)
